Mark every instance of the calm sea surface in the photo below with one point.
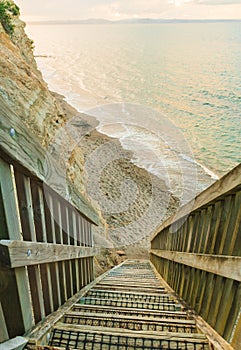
(189, 75)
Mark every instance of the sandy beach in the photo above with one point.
(132, 201)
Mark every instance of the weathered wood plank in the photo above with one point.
(225, 307)
(24, 209)
(217, 288)
(20, 253)
(39, 286)
(146, 318)
(194, 337)
(234, 315)
(129, 303)
(71, 277)
(92, 269)
(60, 222)
(3, 329)
(56, 268)
(54, 286)
(74, 276)
(45, 288)
(226, 266)
(9, 201)
(12, 218)
(41, 208)
(10, 303)
(37, 301)
(234, 246)
(50, 288)
(38, 211)
(68, 281)
(236, 336)
(63, 282)
(74, 228)
(134, 293)
(29, 204)
(116, 286)
(49, 201)
(17, 343)
(77, 274)
(128, 311)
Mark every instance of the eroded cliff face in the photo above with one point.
(22, 85)
(46, 115)
(27, 94)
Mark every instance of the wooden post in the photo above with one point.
(12, 218)
(3, 329)
(236, 339)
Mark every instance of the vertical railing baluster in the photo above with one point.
(4, 331)
(21, 282)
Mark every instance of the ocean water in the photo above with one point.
(170, 92)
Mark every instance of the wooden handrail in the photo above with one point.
(19, 253)
(46, 246)
(224, 186)
(198, 252)
(225, 266)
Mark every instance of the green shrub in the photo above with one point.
(8, 11)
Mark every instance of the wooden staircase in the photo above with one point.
(49, 297)
(131, 308)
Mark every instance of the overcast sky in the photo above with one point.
(120, 9)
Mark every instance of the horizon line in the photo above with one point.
(133, 20)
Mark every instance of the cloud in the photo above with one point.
(206, 2)
(217, 2)
(127, 8)
(119, 9)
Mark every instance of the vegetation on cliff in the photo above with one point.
(8, 11)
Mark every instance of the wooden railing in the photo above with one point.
(198, 252)
(46, 242)
(46, 251)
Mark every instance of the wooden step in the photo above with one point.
(131, 322)
(124, 293)
(132, 271)
(87, 337)
(130, 288)
(124, 274)
(133, 280)
(109, 294)
(132, 285)
(171, 306)
(134, 311)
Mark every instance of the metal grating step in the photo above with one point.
(117, 287)
(170, 306)
(128, 310)
(109, 294)
(84, 337)
(130, 322)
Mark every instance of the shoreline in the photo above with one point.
(91, 101)
(125, 212)
(205, 175)
(99, 101)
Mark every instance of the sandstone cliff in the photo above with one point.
(45, 114)
(25, 91)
